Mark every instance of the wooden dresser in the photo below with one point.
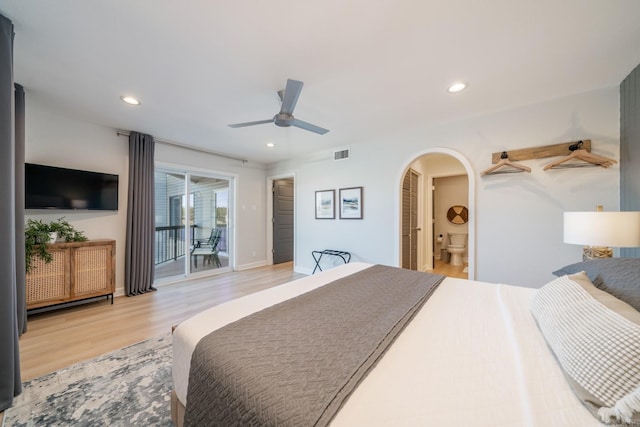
(78, 271)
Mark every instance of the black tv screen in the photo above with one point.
(49, 187)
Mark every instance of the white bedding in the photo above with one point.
(473, 356)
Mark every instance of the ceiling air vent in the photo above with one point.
(342, 154)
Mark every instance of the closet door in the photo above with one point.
(282, 220)
(410, 220)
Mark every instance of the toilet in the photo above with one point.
(456, 247)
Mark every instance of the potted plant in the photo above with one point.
(37, 236)
(66, 231)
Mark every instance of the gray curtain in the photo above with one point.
(19, 162)
(10, 384)
(139, 262)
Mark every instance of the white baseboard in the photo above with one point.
(303, 270)
(251, 265)
(426, 267)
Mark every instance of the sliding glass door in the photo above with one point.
(209, 207)
(192, 223)
(170, 235)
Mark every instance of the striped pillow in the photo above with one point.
(596, 341)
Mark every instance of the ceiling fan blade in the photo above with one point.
(259, 122)
(291, 94)
(308, 126)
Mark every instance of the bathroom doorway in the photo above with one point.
(451, 172)
(450, 224)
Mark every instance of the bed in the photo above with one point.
(473, 354)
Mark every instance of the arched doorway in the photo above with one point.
(421, 219)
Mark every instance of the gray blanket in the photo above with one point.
(296, 363)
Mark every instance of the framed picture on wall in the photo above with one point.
(325, 204)
(351, 203)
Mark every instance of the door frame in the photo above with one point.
(472, 201)
(269, 216)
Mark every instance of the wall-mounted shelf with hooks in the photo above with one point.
(574, 154)
(554, 150)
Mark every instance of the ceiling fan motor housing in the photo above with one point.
(283, 120)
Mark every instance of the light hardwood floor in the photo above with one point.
(63, 337)
(60, 338)
(449, 270)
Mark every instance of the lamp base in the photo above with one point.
(595, 252)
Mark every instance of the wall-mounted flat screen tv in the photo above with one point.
(49, 187)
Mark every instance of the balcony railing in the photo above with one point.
(170, 241)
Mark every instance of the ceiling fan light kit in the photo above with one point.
(284, 118)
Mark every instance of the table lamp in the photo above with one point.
(600, 231)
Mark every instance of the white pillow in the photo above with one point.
(596, 340)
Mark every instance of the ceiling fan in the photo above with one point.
(289, 97)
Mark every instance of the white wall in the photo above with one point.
(58, 140)
(518, 217)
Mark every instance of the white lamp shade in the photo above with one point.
(612, 229)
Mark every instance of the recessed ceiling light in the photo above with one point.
(270, 145)
(130, 100)
(457, 87)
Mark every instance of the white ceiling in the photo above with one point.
(369, 67)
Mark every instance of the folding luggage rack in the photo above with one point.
(317, 256)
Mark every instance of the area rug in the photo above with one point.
(128, 387)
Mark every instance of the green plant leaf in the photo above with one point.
(37, 235)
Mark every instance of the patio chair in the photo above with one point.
(207, 248)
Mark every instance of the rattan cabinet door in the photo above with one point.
(92, 271)
(48, 283)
